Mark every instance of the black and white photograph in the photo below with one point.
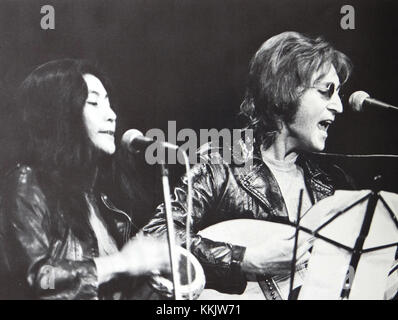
(215, 150)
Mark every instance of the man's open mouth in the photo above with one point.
(324, 125)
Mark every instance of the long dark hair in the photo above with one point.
(54, 141)
(51, 101)
(280, 69)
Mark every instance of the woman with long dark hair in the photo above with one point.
(61, 235)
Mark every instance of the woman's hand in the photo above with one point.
(140, 256)
(145, 255)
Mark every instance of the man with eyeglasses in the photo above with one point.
(291, 100)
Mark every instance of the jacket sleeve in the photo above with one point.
(220, 261)
(30, 254)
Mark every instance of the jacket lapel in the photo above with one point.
(258, 180)
(319, 183)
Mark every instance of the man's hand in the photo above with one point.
(274, 257)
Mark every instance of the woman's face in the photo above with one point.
(98, 116)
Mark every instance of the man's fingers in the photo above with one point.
(302, 248)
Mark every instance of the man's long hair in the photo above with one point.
(51, 101)
(279, 73)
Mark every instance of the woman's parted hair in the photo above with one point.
(55, 141)
(51, 101)
(279, 72)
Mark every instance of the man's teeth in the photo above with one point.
(324, 125)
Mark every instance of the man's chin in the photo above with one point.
(314, 148)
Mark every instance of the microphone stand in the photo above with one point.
(358, 247)
(170, 231)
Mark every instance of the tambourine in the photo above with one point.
(163, 284)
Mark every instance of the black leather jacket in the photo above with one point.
(228, 191)
(36, 264)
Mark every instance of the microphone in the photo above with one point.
(134, 141)
(359, 99)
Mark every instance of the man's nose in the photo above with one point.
(335, 104)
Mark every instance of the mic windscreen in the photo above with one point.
(356, 100)
(129, 136)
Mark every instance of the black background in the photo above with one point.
(187, 60)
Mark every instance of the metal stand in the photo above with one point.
(170, 231)
(358, 250)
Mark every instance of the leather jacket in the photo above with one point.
(34, 263)
(223, 192)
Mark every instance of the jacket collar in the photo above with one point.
(257, 179)
(319, 183)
